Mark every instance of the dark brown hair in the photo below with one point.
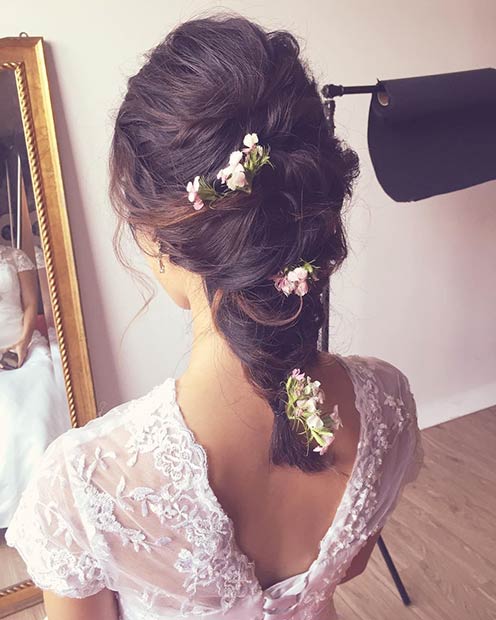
(208, 83)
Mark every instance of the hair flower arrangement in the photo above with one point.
(303, 406)
(295, 279)
(237, 175)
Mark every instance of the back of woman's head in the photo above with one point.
(210, 82)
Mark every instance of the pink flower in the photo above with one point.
(283, 284)
(297, 281)
(297, 374)
(328, 439)
(301, 288)
(293, 281)
(192, 189)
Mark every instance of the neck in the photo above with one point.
(216, 373)
(212, 364)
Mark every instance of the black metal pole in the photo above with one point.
(337, 90)
(394, 573)
(324, 346)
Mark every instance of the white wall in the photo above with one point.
(419, 286)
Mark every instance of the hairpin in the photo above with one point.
(237, 175)
(303, 406)
(295, 279)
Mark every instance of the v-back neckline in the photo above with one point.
(347, 493)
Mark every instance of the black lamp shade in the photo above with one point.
(437, 133)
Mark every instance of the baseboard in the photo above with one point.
(456, 405)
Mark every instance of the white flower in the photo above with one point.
(192, 189)
(237, 178)
(328, 439)
(234, 158)
(311, 405)
(301, 273)
(233, 167)
(250, 140)
(315, 385)
(314, 421)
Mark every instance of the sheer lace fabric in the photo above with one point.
(125, 503)
(12, 262)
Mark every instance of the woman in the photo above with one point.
(19, 303)
(33, 410)
(260, 479)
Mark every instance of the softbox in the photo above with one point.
(433, 134)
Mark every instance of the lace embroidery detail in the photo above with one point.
(199, 535)
(47, 541)
(398, 406)
(379, 436)
(23, 262)
(214, 557)
(211, 557)
(19, 259)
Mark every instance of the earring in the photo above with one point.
(161, 267)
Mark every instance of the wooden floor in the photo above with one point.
(442, 536)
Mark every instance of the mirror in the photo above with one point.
(42, 343)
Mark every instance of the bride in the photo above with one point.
(31, 403)
(255, 483)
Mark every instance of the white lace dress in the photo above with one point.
(33, 409)
(125, 503)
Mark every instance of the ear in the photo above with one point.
(147, 242)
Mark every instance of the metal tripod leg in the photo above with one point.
(394, 573)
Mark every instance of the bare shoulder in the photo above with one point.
(339, 390)
(333, 376)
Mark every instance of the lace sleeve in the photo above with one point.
(48, 533)
(22, 261)
(415, 440)
(403, 458)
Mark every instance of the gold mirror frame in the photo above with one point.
(25, 56)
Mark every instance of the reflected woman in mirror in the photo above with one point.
(31, 405)
(18, 306)
(255, 483)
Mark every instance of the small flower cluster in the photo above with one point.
(304, 399)
(237, 175)
(295, 280)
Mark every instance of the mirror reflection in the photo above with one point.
(33, 403)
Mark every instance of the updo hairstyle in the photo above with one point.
(207, 84)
